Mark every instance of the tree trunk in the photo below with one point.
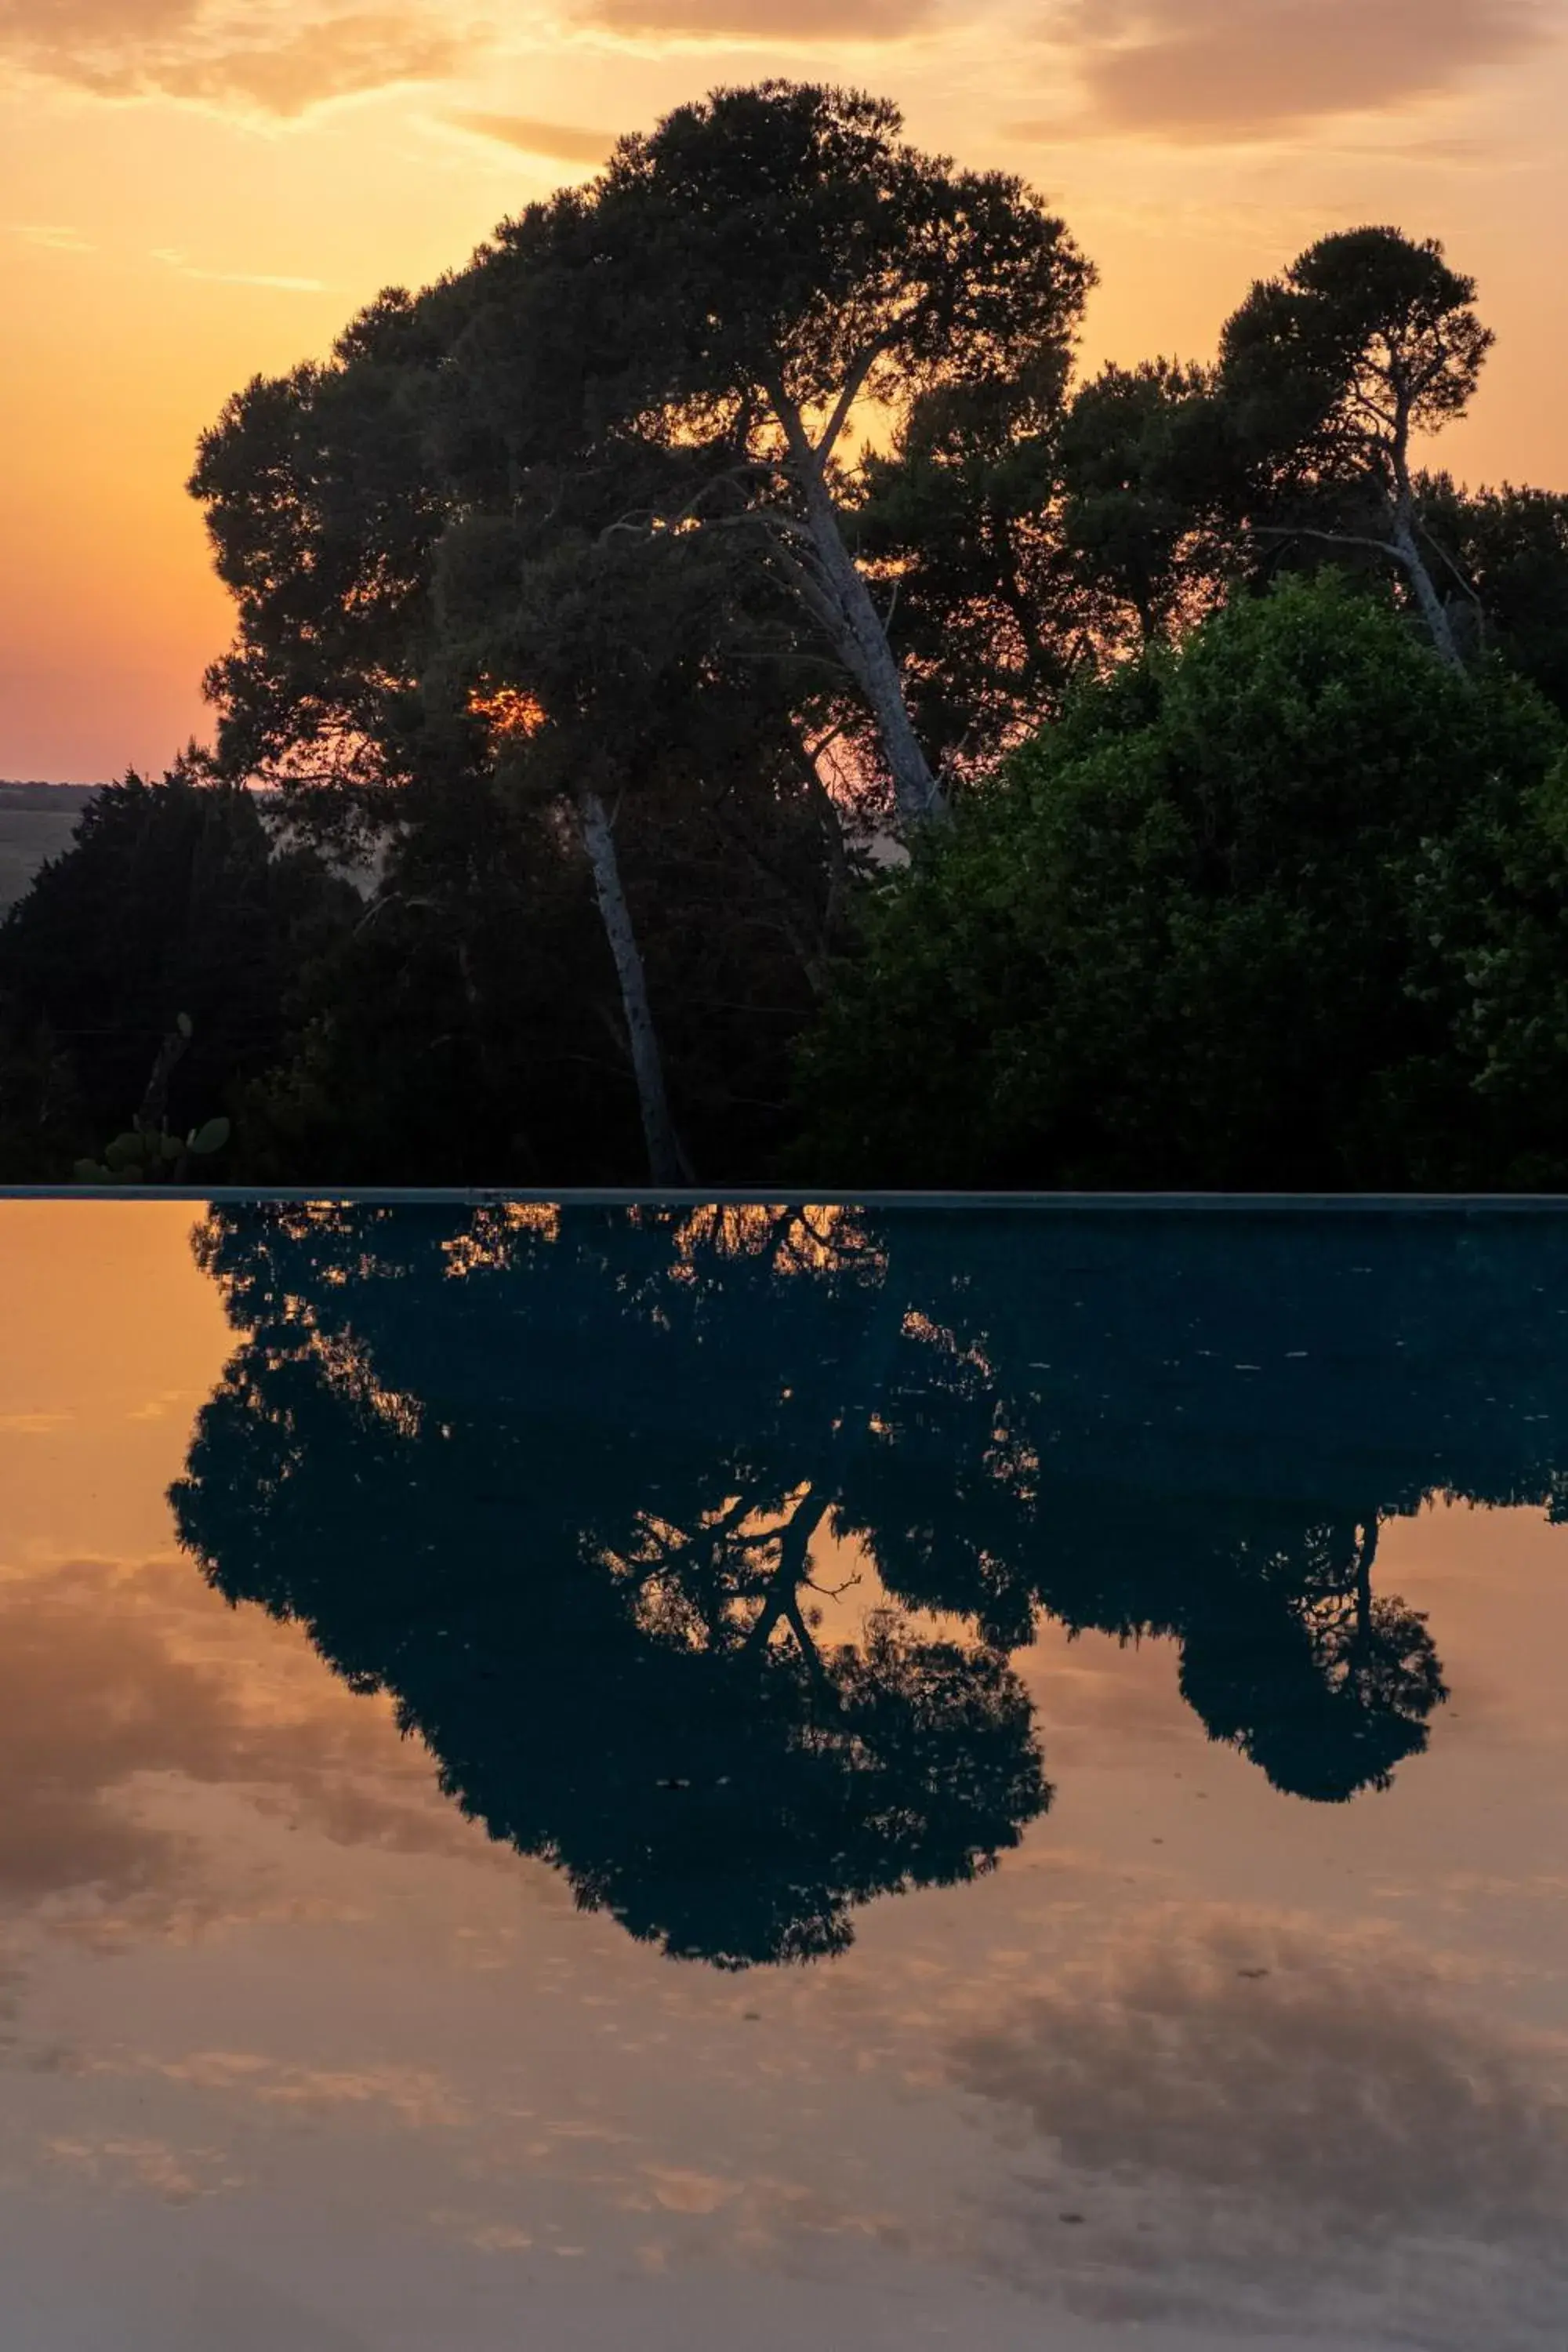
(1434, 612)
(666, 1162)
(1400, 547)
(844, 602)
(156, 1101)
(864, 647)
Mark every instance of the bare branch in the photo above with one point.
(854, 385)
(1329, 538)
(1439, 549)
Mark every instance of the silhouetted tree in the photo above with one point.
(1506, 551)
(434, 608)
(464, 1028)
(172, 898)
(1153, 491)
(963, 513)
(1328, 373)
(779, 255)
(1039, 536)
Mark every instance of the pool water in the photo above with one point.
(581, 1776)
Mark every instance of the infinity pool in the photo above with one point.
(745, 1777)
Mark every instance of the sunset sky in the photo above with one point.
(195, 191)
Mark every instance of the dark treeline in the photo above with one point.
(559, 1481)
(800, 724)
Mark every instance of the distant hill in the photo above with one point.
(37, 820)
(48, 800)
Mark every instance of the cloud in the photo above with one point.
(1200, 70)
(168, 1401)
(342, 57)
(257, 56)
(566, 142)
(816, 21)
(178, 262)
(52, 240)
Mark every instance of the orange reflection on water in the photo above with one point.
(112, 1339)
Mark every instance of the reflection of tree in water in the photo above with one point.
(553, 1480)
(1305, 1670)
(546, 1484)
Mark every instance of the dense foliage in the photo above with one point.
(1287, 909)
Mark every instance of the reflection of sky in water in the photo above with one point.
(293, 2054)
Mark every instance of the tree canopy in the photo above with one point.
(1327, 375)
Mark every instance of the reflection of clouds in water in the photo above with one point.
(1237, 2103)
(418, 2098)
(109, 1677)
(12, 1980)
(1101, 1698)
(109, 2161)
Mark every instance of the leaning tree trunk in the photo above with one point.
(861, 643)
(1434, 612)
(666, 1162)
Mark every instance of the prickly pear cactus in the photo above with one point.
(146, 1153)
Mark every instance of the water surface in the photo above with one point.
(598, 1776)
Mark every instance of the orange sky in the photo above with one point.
(191, 191)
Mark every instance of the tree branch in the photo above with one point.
(1329, 538)
(854, 385)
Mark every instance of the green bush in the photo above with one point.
(1284, 910)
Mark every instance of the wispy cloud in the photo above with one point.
(776, 22)
(167, 1401)
(566, 142)
(53, 240)
(187, 268)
